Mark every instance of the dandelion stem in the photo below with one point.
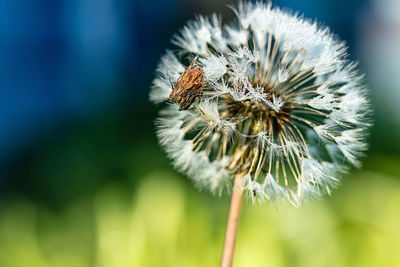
(232, 225)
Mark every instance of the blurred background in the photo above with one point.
(84, 183)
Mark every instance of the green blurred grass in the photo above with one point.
(166, 222)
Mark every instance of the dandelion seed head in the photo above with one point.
(280, 105)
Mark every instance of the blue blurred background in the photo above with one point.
(78, 154)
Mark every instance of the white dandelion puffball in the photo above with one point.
(270, 98)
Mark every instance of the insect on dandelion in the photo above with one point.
(268, 107)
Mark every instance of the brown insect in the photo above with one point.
(188, 87)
